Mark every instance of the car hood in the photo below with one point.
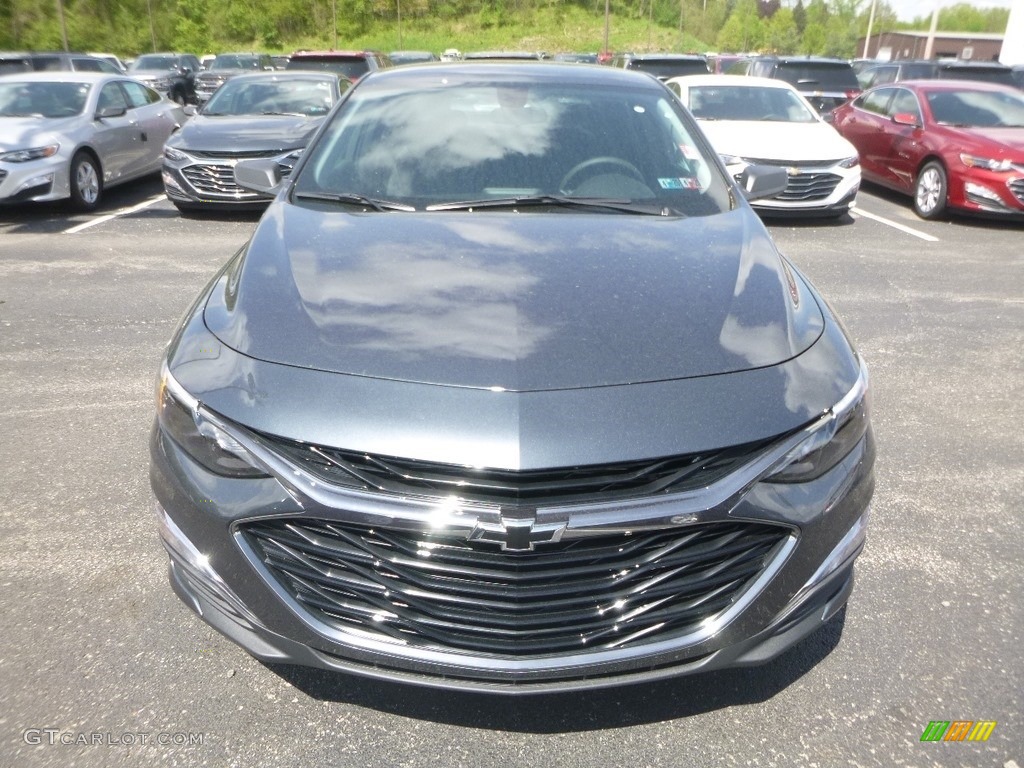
(770, 140)
(1001, 142)
(246, 133)
(26, 132)
(518, 302)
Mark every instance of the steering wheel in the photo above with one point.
(616, 162)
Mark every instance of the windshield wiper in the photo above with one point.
(626, 206)
(285, 114)
(350, 198)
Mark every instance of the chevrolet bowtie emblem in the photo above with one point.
(518, 531)
(793, 171)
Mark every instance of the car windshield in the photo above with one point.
(982, 109)
(818, 76)
(665, 68)
(265, 97)
(154, 62)
(234, 61)
(510, 141)
(352, 68)
(736, 102)
(42, 99)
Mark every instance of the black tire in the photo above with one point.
(931, 191)
(85, 180)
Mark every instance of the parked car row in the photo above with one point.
(956, 147)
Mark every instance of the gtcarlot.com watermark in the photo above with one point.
(58, 736)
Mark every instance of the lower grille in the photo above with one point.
(219, 181)
(813, 181)
(440, 592)
(1017, 188)
(810, 186)
(216, 180)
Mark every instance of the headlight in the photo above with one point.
(193, 428)
(850, 162)
(988, 163)
(24, 155)
(836, 434)
(174, 155)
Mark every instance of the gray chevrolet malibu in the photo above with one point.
(511, 391)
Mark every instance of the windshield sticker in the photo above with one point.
(690, 153)
(684, 182)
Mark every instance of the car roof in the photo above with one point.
(952, 85)
(732, 81)
(510, 71)
(666, 56)
(333, 54)
(287, 75)
(60, 76)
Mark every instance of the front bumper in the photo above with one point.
(44, 179)
(219, 575)
(813, 190)
(989, 192)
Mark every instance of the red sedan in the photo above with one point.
(949, 144)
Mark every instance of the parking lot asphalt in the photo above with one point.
(101, 665)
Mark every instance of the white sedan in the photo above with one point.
(753, 120)
(72, 134)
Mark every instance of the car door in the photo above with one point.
(904, 150)
(864, 127)
(156, 118)
(115, 134)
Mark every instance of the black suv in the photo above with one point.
(826, 83)
(663, 65)
(351, 64)
(894, 71)
(226, 66)
(172, 74)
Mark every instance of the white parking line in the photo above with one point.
(895, 225)
(123, 212)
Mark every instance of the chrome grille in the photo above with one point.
(219, 181)
(1017, 188)
(216, 180)
(562, 485)
(807, 185)
(443, 592)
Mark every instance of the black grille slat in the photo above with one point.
(608, 591)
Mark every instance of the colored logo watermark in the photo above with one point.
(958, 730)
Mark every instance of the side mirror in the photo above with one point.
(105, 112)
(761, 181)
(906, 118)
(258, 175)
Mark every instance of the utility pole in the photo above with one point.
(334, 23)
(606, 12)
(63, 24)
(871, 23)
(930, 45)
(399, 4)
(152, 28)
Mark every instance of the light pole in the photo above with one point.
(334, 22)
(399, 4)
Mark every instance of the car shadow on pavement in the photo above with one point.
(572, 712)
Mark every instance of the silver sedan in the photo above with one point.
(71, 135)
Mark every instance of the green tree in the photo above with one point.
(743, 30)
(781, 34)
